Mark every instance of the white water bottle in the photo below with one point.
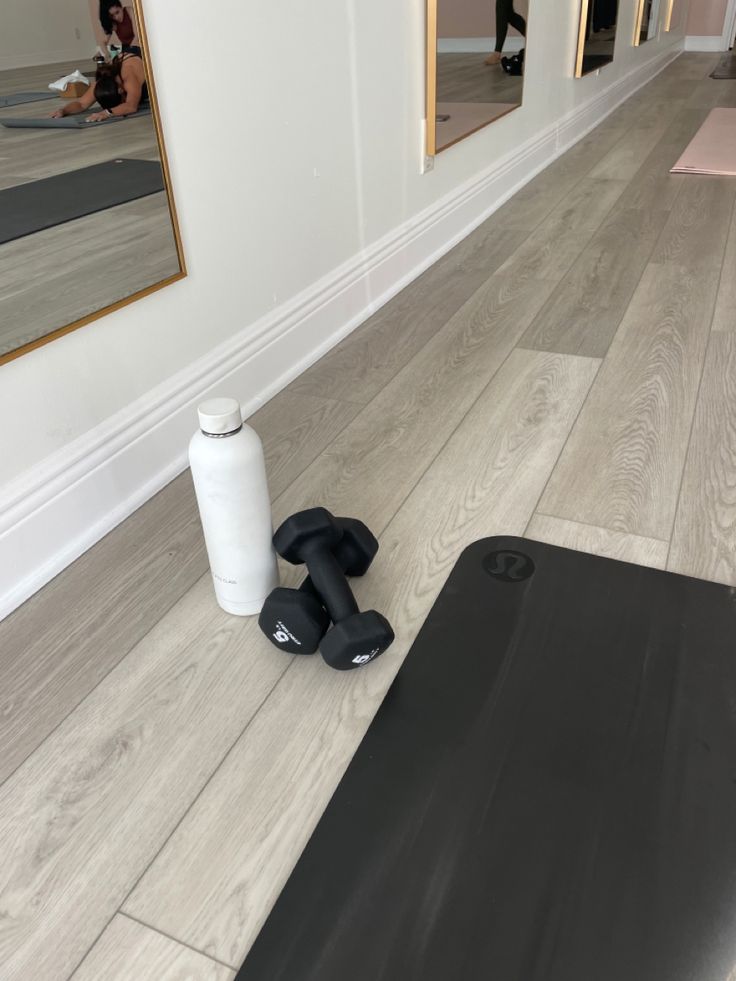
(229, 473)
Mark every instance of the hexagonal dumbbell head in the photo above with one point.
(294, 620)
(357, 548)
(303, 530)
(356, 640)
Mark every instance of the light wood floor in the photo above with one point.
(59, 275)
(567, 372)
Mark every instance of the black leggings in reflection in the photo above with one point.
(505, 15)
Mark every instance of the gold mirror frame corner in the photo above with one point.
(669, 10)
(581, 38)
(140, 294)
(638, 22)
(431, 124)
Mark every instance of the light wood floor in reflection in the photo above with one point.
(567, 372)
(465, 78)
(59, 275)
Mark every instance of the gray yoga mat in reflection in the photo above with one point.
(20, 98)
(726, 67)
(32, 207)
(78, 122)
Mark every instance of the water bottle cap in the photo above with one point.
(220, 416)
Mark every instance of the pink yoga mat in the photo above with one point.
(713, 148)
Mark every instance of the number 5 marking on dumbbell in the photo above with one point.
(365, 658)
(282, 635)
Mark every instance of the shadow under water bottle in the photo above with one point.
(229, 474)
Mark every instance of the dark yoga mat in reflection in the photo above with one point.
(21, 98)
(77, 122)
(591, 62)
(548, 790)
(31, 207)
(726, 67)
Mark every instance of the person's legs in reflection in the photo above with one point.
(505, 15)
(604, 14)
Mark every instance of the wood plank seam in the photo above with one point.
(587, 524)
(567, 440)
(181, 943)
(697, 397)
(193, 802)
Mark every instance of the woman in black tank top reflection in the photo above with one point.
(120, 88)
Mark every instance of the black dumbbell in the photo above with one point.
(514, 65)
(294, 620)
(355, 638)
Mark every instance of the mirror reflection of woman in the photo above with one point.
(505, 15)
(120, 88)
(119, 19)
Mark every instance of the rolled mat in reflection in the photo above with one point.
(32, 207)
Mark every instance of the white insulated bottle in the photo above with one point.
(229, 473)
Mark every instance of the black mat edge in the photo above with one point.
(70, 208)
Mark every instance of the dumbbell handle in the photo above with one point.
(344, 559)
(330, 583)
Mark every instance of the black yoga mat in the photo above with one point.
(78, 122)
(592, 62)
(31, 207)
(547, 793)
(21, 98)
(726, 67)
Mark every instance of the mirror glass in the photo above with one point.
(475, 66)
(648, 21)
(597, 37)
(87, 220)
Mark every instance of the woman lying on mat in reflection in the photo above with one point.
(120, 89)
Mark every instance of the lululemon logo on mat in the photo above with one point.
(508, 566)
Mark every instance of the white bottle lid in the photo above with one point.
(219, 416)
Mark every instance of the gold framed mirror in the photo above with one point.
(596, 35)
(646, 27)
(669, 19)
(475, 66)
(87, 216)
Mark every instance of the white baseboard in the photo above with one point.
(59, 509)
(476, 45)
(693, 42)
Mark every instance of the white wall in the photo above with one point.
(294, 137)
(472, 18)
(710, 25)
(707, 17)
(40, 32)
